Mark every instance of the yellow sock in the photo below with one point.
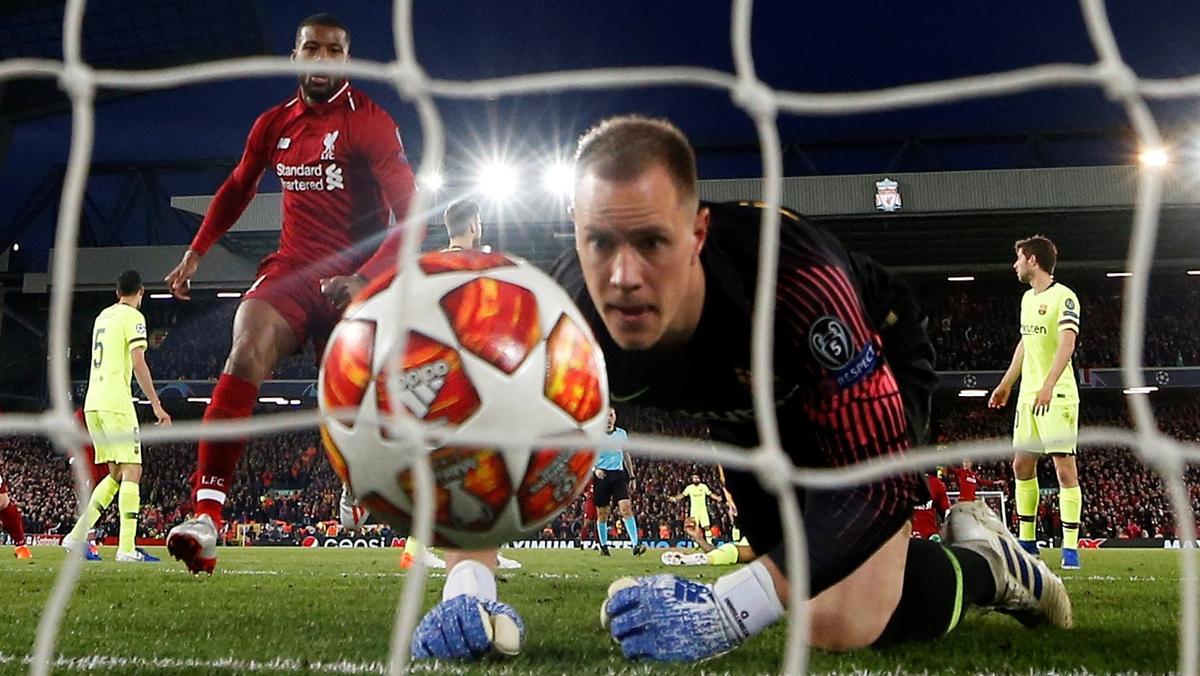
(725, 555)
(412, 547)
(1027, 505)
(102, 497)
(1070, 507)
(130, 504)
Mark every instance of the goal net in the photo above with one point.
(763, 104)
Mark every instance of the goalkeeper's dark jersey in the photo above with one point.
(845, 332)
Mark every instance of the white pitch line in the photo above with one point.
(278, 664)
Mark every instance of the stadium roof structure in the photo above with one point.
(852, 47)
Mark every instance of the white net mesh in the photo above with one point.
(763, 104)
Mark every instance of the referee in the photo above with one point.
(614, 479)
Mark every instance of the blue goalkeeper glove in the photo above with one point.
(468, 628)
(668, 619)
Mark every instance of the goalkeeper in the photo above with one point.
(667, 284)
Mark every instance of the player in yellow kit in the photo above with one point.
(737, 550)
(118, 353)
(699, 494)
(1047, 417)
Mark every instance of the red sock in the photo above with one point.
(232, 398)
(10, 518)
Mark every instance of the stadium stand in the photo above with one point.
(285, 482)
(972, 326)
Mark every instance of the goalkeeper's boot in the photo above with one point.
(195, 543)
(350, 512)
(1070, 559)
(1025, 587)
(22, 552)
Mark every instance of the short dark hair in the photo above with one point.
(129, 283)
(1041, 248)
(323, 19)
(459, 215)
(621, 148)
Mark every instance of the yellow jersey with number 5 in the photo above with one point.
(118, 330)
(1043, 317)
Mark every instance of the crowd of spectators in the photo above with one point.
(973, 327)
(1123, 498)
(284, 480)
(190, 341)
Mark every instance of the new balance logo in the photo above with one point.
(691, 592)
(284, 143)
(420, 386)
(333, 178)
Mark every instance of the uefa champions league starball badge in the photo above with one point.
(887, 195)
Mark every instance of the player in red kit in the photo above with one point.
(968, 481)
(589, 513)
(927, 517)
(12, 522)
(341, 164)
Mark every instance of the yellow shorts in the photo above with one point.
(107, 429)
(701, 518)
(1054, 432)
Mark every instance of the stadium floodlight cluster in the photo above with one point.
(1109, 71)
(499, 181)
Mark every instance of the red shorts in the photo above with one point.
(294, 290)
(3, 486)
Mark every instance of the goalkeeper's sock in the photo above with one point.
(940, 583)
(748, 599)
(102, 497)
(233, 398)
(1027, 504)
(631, 528)
(1070, 506)
(130, 504)
(14, 523)
(602, 533)
(725, 555)
(472, 578)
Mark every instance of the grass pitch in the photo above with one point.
(285, 610)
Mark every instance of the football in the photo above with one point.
(494, 346)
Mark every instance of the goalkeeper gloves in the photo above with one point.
(670, 619)
(468, 628)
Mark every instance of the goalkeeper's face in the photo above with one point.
(639, 245)
(321, 43)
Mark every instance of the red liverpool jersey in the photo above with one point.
(968, 481)
(926, 516)
(342, 167)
